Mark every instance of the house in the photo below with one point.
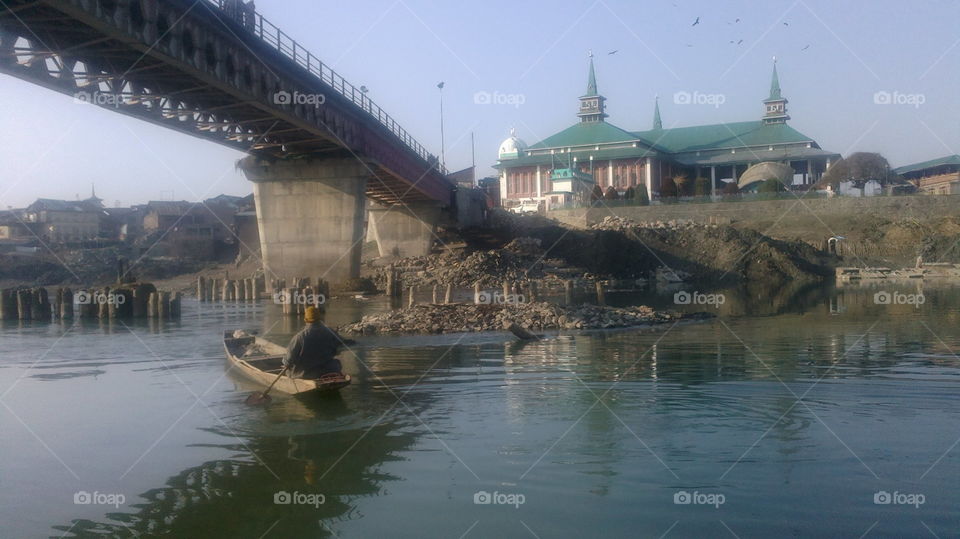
(64, 220)
(936, 177)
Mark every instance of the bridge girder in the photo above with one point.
(188, 67)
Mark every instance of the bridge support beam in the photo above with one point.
(404, 230)
(310, 216)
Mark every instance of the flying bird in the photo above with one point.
(613, 52)
(786, 24)
(805, 48)
(739, 42)
(696, 22)
(738, 20)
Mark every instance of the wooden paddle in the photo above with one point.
(264, 397)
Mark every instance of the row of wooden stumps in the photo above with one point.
(127, 302)
(304, 293)
(209, 289)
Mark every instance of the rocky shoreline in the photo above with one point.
(464, 318)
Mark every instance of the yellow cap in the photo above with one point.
(310, 314)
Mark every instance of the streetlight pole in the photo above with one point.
(443, 150)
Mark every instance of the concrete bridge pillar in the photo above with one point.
(404, 230)
(310, 216)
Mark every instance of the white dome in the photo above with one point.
(512, 146)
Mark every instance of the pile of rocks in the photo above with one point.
(622, 224)
(518, 261)
(458, 318)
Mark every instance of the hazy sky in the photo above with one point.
(833, 58)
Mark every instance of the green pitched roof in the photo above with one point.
(948, 160)
(585, 133)
(717, 136)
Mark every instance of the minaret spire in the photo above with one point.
(775, 106)
(592, 103)
(775, 82)
(591, 79)
(657, 124)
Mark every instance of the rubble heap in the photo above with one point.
(459, 318)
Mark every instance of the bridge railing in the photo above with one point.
(276, 38)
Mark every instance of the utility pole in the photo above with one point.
(473, 159)
(443, 150)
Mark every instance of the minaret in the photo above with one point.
(657, 124)
(592, 103)
(775, 106)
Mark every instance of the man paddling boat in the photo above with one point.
(311, 353)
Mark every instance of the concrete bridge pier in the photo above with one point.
(403, 230)
(310, 216)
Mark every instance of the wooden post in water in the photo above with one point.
(201, 289)
(533, 292)
(601, 296)
(448, 294)
(476, 292)
(153, 307)
(257, 289)
(568, 292)
(433, 296)
(175, 303)
(506, 290)
(103, 303)
(41, 305)
(163, 305)
(24, 304)
(66, 304)
(411, 300)
(391, 283)
(7, 307)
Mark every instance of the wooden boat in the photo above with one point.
(261, 360)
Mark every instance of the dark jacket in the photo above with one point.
(311, 352)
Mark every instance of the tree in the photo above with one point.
(629, 195)
(668, 189)
(597, 194)
(684, 185)
(859, 167)
(611, 193)
(701, 187)
(771, 185)
(640, 196)
(731, 190)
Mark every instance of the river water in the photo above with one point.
(792, 414)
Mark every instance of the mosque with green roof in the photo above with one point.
(606, 155)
